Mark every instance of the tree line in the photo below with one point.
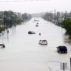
(67, 25)
(10, 18)
(60, 19)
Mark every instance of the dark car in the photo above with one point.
(2, 45)
(62, 49)
(31, 32)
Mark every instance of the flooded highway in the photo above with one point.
(23, 52)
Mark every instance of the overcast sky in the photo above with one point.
(35, 6)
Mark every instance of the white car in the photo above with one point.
(43, 42)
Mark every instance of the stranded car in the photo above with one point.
(43, 42)
(62, 49)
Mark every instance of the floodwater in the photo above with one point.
(23, 53)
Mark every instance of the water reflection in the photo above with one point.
(5, 35)
(67, 39)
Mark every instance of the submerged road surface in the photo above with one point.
(23, 53)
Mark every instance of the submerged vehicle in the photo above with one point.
(2, 45)
(36, 25)
(40, 34)
(31, 32)
(62, 49)
(43, 42)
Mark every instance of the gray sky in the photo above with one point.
(35, 6)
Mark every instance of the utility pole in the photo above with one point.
(70, 64)
(63, 67)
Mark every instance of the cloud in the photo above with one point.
(20, 0)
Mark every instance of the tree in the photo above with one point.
(67, 25)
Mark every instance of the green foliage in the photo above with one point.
(10, 18)
(67, 25)
(1, 29)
